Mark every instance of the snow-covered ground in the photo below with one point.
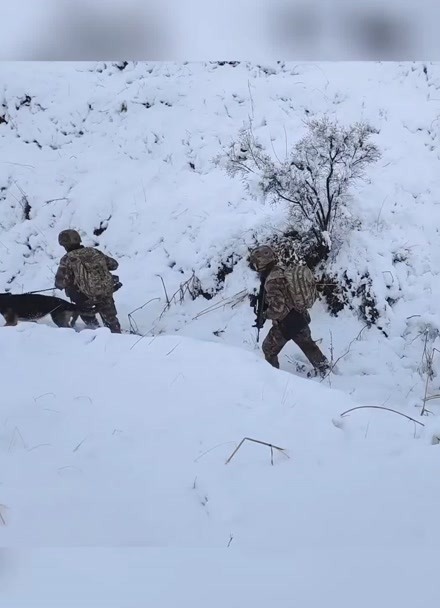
(111, 440)
(133, 578)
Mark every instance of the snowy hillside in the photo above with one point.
(124, 153)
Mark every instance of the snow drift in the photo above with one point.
(109, 441)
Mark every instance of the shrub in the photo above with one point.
(315, 179)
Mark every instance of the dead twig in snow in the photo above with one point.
(133, 325)
(210, 450)
(17, 432)
(239, 297)
(332, 350)
(173, 349)
(79, 445)
(165, 290)
(17, 164)
(422, 413)
(428, 360)
(380, 407)
(83, 397)
(432, 397)
(191, 286)
(233, 301)
(142, 337)
(44, 395)
(270, 445)
(40, 445)
(344, 354)
(53, 200)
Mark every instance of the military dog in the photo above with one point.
(31, 307)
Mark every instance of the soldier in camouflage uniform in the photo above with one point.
(84, 274)
(288, 292)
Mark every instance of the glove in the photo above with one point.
(116, 283)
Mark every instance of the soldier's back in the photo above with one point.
(92, 276)
(297, 284)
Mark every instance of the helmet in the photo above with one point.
(262, 256)
(69, 238)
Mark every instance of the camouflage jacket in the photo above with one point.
(288, 289)
(67, 274)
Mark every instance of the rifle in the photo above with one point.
(259, 309)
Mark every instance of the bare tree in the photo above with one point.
(315, 179)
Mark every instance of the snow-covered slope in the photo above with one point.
(109, 442)
(124, 153)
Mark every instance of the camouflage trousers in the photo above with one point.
(105, 308)
(275, 341)
(107, 311)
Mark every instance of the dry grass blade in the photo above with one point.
(240, 297)
(427, 364)
(210, 450)
(16, 433)
(79, 445)
(425, 396)
(165, 289)
(381, 407)
(270, 445)
(44, 395)
(142, 337)
(173, 349)
(233, 301)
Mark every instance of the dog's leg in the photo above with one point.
(90, 320)
(11, 318)
(61, 318)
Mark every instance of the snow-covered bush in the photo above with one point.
(315, 179)
(341, 292)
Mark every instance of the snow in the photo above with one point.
(120, 441)
(200, 578)
(113, 442)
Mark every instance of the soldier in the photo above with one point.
(287, 294)
(84, 273)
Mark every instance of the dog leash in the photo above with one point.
(28, 293)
